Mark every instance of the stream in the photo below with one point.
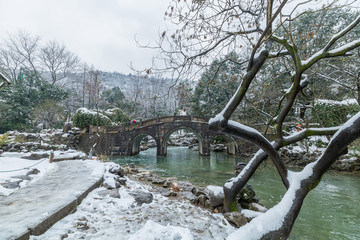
(330, 211)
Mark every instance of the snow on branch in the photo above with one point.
(341, 33)
(253, 136)
(340, 51)
(309, 132)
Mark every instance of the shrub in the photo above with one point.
(84, 118)
(334, 113)
(3, 139)
(117, 115)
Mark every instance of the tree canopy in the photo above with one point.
(294, 36)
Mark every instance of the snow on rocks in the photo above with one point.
(47, 139)
(103, 215)
(161, 232)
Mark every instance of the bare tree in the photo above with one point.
(58, 61)
(23, 48)
(209, 29)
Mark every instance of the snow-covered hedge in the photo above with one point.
(3, 139)
(334, 113)
(117, 115)
(85, 117)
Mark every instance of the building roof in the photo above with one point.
(3, 80)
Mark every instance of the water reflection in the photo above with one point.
(331, 211)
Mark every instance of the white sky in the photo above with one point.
(100, 32)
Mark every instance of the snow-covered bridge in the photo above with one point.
(125, 139)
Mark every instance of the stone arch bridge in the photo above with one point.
(125, 139)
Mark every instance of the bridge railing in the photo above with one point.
(131, 126)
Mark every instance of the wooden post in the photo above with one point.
(51, 156)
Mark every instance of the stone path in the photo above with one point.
(34, 209)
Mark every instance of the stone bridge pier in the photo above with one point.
(125, 139)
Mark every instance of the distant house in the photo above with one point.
(3, 81)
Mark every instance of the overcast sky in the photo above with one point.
(100, 32)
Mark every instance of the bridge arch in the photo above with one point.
(204, 144)
(231, 145)
(134, 143)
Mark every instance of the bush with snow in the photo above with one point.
(117, 115)
(85, 117)
(334, 113)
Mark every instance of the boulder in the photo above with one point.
(198, 191)
(190, 196)
(142, 197)
(202, 200)
(111, 183)
(121, 180)
(216, 195)
(118, 170)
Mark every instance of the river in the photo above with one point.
(330, 211)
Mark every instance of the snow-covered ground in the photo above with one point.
(15, 168)
(114, 214)
(103, 216)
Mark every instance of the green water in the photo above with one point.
(331, 211)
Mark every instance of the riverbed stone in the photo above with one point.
(202, 200)
(216, 195)
(186, 186)
(157, 180)
(236, 219)
(142, 197)
(118, 170)
(190, 196)
(120, 180)
(198, 191)
(111, 183)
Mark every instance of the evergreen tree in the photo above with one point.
(20, 99)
